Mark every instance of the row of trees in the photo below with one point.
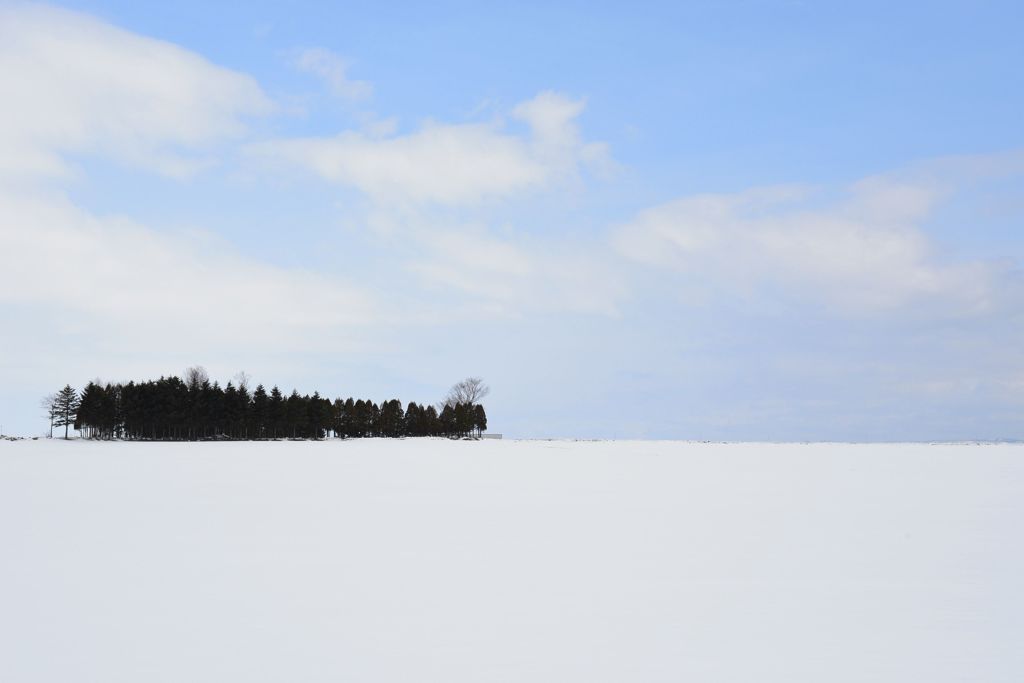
(172, 408)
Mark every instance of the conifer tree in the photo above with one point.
(479, 419)
(276, 411)
(348, 419)
(446, 421)
(391, 418)
(431, 422)
(338, 417)
(413, 420)
(88, 415)
(260, 410)
(373, 418)
(232, 411)
(244, 408)
(463, 419)
(66, 408)
(317, 414)
(295, 413)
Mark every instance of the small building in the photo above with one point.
(490, 436)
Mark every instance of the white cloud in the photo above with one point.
(333, 70)
(134, 286)
(551, 117)
(440, 163)
(450, 164)
(72, 84)
(556, 138)
(864, 252)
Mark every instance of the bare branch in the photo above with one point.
(470, 390)
(242, 379)
(196, 375)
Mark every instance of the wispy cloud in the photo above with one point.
(518, 275)
(863, 251)
(449, 164)
(333, 70)
(137, 286)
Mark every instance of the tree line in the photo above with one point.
(194, 408)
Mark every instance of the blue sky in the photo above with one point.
(702, 220)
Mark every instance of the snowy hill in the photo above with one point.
(430, 560)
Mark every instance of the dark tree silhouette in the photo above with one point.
(171, 408)
(260, 413)
(479, 419)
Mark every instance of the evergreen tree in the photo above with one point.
(66, 408)
(295, 414)
(212, 410)
(232, 412)
(413, 420)
(276, 411)
(357, 423)
(338, 417)
(391, 418)
(110, 411)
(318, 415)
(479, 419)
(260, 412)
(243, 407)
(463, 419)
(446, 421)
(348, 418)
(373, 418)
(431, 422)
(88, 414)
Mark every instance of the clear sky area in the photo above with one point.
(713, 220)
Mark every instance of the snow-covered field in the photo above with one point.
(429, 560)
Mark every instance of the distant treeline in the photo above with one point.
(173, 409)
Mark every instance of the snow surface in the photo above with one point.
(429, 560)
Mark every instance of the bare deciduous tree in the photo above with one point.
(470, 390)
(242, 379)
(49, 405)
(195, 376)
